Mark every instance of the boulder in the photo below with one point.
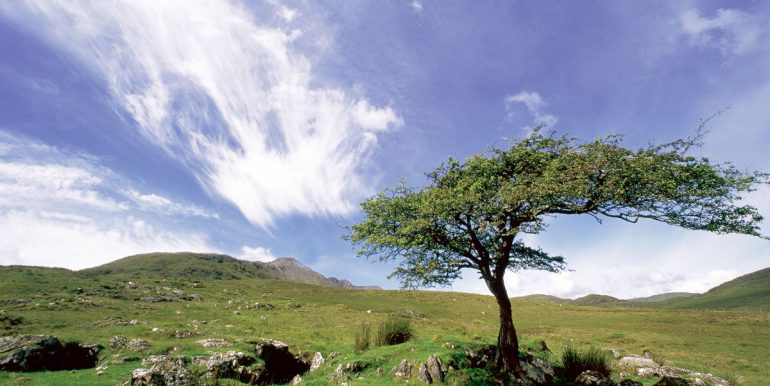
(436, 368)
(422, 374)
(672, 381)
(403, 370)
(538, 371)
(630, 382)
(316, 362)
(593, 378)
(213, 342)
(280, 364)
(42, 352)
(231, 364)
(637, 361)
(118, 342)
(164, 371)
(339, 375)
(480, 356)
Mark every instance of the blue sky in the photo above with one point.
(255, 128)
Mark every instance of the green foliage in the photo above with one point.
(394, 330)
(363, 337)
(575, 361)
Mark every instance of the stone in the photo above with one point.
(182, 334)
(630, 382)
(435, 368)
(164, 371)
(280, 364)
(617, 353)
(648, 354)
(42, 352)
(538, 371)
(339, 375)
(422, 374)
(118, 342)
(137, 345)
(647, 372)
(231, 364)
(316, 362)
(480, 357)
(356, 366)
(637, 361)
(296, 380)
(672, 381)
(403, 370)
(213, 342)
(593, 378)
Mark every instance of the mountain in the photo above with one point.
(664, 297)
(215, 266)
(597, 300)
(747, 292)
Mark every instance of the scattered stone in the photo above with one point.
(422, 374)
(333, 355)
(630, 382)
(262, 306)
(137, 345)
(409, 314)
(174, 296)
(537, 370)
(317, 362)
(672, 381)
(181, 334)
(157, 330)
(356, 366)
(435, 368)
(593, 378)
(280, 364)
(403, 370)
(41, 352)
(213, 342)
(448, 345)
(164, 371)
(339, 375)
(118, 342)
(637, 361)
(296, 380)
(480, 357)
(231, 364)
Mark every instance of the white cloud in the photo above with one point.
(256, 254)
(535, 106)
(730, 30)
(228, 96)
(416, 5)
(59, 208)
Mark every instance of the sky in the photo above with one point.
(255, 129)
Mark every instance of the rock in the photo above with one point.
(118, 342)
(316, 362)
(672, 381)
(280, 364)
(213, 342)
(339, 375)
(480, 357)
(356, 366)
(231, 364)
(648, 354)
(137, 345)
(296, 380)
(435, 368)
(617, 353)
(630, 382)
(538, 371)
(165, 371)
(593, 378)
(403, 370)
(422, 374)
(41, 352)
(637, 361)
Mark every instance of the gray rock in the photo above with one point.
(672, 381)
(231, 364)
(435, 368)
(637, 361)
(422, 374)
(316, 362)
(593, 378)
(137, 345)
(630, 382)
(403, 370)
(296, 380)
(118, 342)
(165, 371)
(213, 342)
(339, 375)
(538, 371)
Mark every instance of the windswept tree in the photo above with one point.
(473, 213)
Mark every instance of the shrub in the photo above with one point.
(394, 330)
(363, 338)
(575, 362)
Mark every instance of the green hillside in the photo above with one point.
(747, 292)
(178, 265)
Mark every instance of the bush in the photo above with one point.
(575, 362)
(394, 330)
(363, 338)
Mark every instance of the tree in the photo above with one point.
(472, 212)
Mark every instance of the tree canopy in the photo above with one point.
(471, 212)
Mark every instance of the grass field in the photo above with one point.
(309, 318)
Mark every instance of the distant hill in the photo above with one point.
(747, 292)
(214, 266)
(664, 297)
(597, 300)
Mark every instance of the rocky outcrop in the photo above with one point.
(137, 345)
(316, 362)
(637, 361)
(163, 371)
(42, 352)
(213, 343)
(403, 370)
(677, 372)
(593, 378)
(538, 371)
(232, 365)
(630, 382)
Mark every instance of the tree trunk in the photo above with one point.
(507, 356)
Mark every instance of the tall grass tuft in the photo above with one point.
(734, 379)
(394, 330)
(575, 362)
(363, 337)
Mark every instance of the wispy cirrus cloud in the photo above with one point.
(535, 105)
(61, 208)
(226, 92)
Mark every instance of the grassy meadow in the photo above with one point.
(92, 309)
